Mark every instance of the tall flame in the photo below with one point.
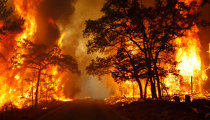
(18, 89)
(60, 40)
(190, 67)
(190, 64)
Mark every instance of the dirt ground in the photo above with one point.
(29, 113)
(99, 110)
(164, 110)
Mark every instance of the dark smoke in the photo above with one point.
(57, 16)
(48, 12)
(75, 44)
(54, 17)
(60, 10)
(204, 35)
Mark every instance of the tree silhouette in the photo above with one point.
(150, 31)
(6, 22)
(37, 57)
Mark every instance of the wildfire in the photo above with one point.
(190, 64)
(60, 40)
(27, 10)
(18, 85)
(190, 68)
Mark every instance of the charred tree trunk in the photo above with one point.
(37, 88)
(135, 73)
(152, 82)
(153, 88)
(140, 88)
(158, 81)
(145, 89)
(159, 89)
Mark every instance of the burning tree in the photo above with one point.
(40, 58)
(5, 12)
(31, 62)
(140, 41)
(8, 22)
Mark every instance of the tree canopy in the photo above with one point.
(39, 58)
(8, 23)
(138, 41)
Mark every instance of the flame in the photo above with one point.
(18, 85)
(190, 67)
(190, 64)
(27, 10)
(60, 40)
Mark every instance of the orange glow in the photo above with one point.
(52, 22)
(209, 51)
(60, 40)
(18, 85)
(1, 23)
(189, 64)
(190, 67)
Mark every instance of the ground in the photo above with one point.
(165, 110)
(83, 110)
(99, 110)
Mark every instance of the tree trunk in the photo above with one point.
(159, 89)
(145, 89)
(158, 81)
(153, 88)
(37, 89)
(140, 88)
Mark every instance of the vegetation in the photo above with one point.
(38, 58)
(138, 41)
(7, 23)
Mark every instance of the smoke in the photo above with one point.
(204, 37)
(75, 45)
(57, 16)
(48, 12)
(53, 17)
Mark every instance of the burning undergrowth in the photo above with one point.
(57, 25)
(29, 41)
(123, 50)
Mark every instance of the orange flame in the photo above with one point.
(17, 87)
(190, 64)
(60, 40)
(190, 68)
